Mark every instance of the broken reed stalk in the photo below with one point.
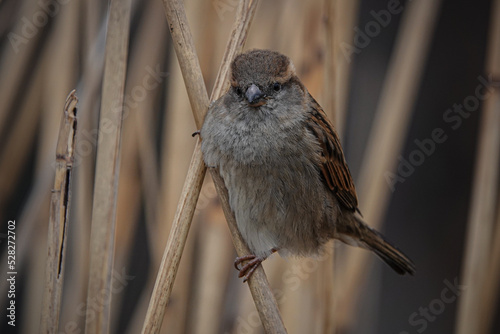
(481, 226)
(193, 79)
(102, 236)
(388, 133)
(58, 219)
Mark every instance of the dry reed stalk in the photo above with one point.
(388, 135)
(195, 86)
(59, 215)
(107, 168)
(472, 316)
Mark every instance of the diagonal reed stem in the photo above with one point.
(193, 79)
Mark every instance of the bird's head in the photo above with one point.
(259, 76)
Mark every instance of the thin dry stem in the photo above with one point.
(58, 220)
(102, 237)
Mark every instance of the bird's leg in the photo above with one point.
(253, 262)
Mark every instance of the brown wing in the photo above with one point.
(333, 165)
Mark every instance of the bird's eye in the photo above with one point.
(276, 86)
(239, 91)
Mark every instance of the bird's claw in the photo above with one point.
(247, 270)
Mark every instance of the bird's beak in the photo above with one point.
(254, 95)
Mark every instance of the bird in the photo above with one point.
(282, 163)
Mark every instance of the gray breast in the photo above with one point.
(275, 189)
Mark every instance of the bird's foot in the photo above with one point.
(247, 270)
(253, 263)
(196, 133)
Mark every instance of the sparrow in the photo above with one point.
(281, 160)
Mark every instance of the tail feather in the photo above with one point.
(367, 237)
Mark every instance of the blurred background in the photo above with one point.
(409, 69)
